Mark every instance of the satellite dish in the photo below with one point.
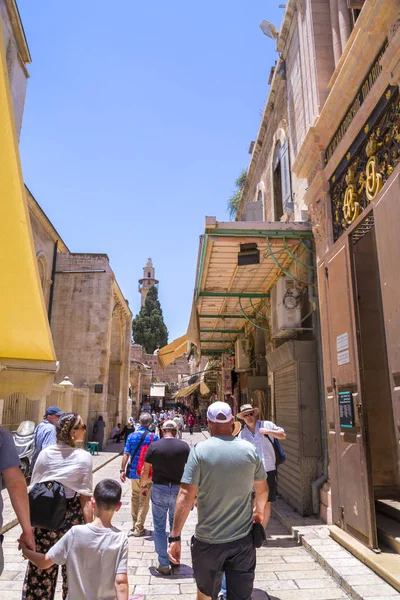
(269, 29)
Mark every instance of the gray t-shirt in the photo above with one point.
(224, 469)
(94, 556)
(8, 458)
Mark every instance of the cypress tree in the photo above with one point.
(148, 327)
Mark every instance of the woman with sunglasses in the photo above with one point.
(71, 466)
(261, 434)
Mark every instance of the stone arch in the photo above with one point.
(115, 368)
(280, 174)
(44, 274)
(260, 196)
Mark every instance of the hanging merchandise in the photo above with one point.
(227, 368)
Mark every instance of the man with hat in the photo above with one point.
(45, 432)
(167, 457)
(261, 434)
(222, 472)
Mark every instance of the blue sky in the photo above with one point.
(138, 119)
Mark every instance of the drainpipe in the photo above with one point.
(53, 276)
(313, 299)
(337, 44)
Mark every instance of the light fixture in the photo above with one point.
(269, 29)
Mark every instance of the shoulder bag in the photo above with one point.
(128, 466)
(280, 455)
(48, 505)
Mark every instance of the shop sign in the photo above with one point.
(359, 99)
(346, 410)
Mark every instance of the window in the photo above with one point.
(149, 275)
(281, 181)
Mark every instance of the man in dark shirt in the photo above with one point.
(168, 457)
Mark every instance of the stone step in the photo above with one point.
(388, 532)
(390, 508)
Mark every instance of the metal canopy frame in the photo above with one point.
(217, 267)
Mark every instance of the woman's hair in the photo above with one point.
(64, 427)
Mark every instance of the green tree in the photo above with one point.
(148, 327)
(234, 200)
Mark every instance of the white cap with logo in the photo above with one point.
(219, 412)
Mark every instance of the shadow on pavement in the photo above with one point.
(181, 572)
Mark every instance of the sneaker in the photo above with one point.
(137, 533)
(163, 570)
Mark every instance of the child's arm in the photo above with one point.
(121, 586)
(42, 561)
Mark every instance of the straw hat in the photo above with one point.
(246, 408)
(236, 428)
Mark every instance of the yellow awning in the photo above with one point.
(186, 391)
(25, 338)
(172, 351)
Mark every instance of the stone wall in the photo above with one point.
(170, 374)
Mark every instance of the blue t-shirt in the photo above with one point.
(131, 444)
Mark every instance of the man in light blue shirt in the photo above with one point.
(45, 432)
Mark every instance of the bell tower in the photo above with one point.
(147, 281)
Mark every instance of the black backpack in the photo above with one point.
(48, 505)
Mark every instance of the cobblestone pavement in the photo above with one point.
(285, 570)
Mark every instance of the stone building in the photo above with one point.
(341, 66)
(89, 317)
(349, 154)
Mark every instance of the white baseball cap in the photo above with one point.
(219, 412)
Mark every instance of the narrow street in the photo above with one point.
(285, 570)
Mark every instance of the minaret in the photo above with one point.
(147, 281)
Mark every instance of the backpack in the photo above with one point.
(142, 454)
(280, 455)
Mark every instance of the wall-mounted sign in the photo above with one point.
(346, 410)
(98, 388)
(343, 358)
(342, 342)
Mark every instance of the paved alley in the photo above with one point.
(285, 570)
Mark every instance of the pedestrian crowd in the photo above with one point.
(231, 477)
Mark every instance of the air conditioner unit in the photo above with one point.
(242, 355)
(285, 308)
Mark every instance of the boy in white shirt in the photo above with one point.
(95, 554)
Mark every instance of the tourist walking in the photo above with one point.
(14, 481)
(98, 432)
(91, 549)
(72, 467)
(180, 423)
(261, 434)
(167, 459)
(190, 422)
(135, 445)
(45, 432)
(222, 472)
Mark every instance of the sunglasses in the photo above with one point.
(250, 414)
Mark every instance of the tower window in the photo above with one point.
(148, 274)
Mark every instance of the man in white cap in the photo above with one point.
(222, 472)
(168, 457)
(261, 434)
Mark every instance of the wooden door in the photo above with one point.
(349, 469)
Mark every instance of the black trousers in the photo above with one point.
(237, 559)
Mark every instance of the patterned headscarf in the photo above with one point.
(65, 425)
